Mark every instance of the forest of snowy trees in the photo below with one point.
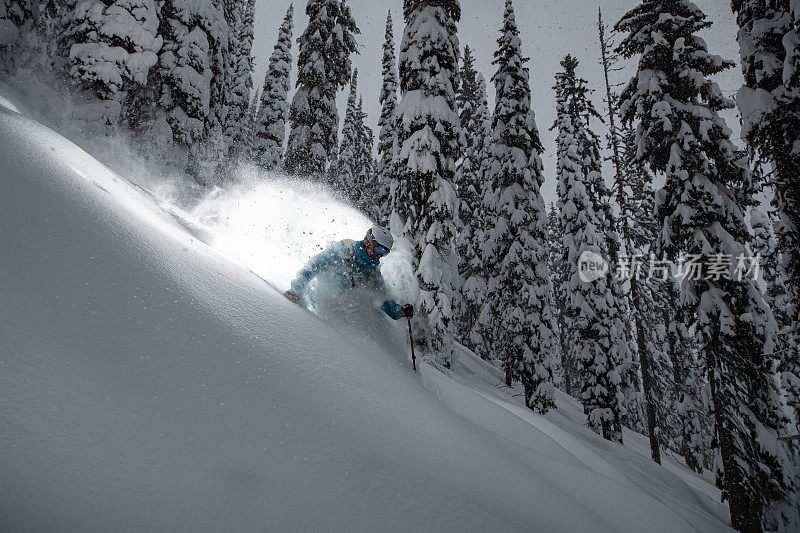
(673, 342)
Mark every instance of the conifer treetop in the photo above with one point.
(512, 88)
(451, 7)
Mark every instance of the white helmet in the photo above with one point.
(378, 241)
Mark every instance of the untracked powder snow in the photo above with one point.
(153, 377)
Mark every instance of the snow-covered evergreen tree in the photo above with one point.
(192, 32)
(323, 68)
(310, 112)
(386, 122)
(17, 19)
(270, 127)
(700, 209)
(623, 343)
(778, 137)
(687, 419)
(588, 313)
(475, 120)
(762, 27)
(354, 173)
(40, 46)
(617, 240)
(366, 189)
(634, 194)
(769, 102)
(14, 16)
(636, 229)
(519, 292)
(555, 232)
(473, 208)
(31, 33)
(765, 247)
(208, 159)
(240, 17)
(252, 116)
(111, 48)
(427, 146)
(344, 175)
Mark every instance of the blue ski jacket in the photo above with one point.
(352, 267)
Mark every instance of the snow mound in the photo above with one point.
(148, 382)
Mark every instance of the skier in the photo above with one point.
(353, 265)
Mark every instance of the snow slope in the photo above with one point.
(149, 383)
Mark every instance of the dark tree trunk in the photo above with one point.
(745, 510)
(565, 365)
(679, 377)
(647, 377)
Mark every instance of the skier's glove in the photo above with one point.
(292, 296)
(407, 310)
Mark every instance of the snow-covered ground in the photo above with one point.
(150, 380)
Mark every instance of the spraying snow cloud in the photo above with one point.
(273, 224)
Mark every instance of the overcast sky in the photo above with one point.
(549, 29)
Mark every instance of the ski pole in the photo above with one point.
(411, 339)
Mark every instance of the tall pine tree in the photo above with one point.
(765, 246)
(688, 420)
(519, 292)
(386, 122)
(428, 144)
(769, 101)
(366, 189)
(475, 120)
(344, 174)
(588, 313)
(700, 210)
(633, 193)
(323, 69)
(555, 232)
(354, 175)
(252, 115)
(208, 159)
(240, 16)
(185, 63)
(270, 124)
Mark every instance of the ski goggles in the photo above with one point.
(380, 250)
